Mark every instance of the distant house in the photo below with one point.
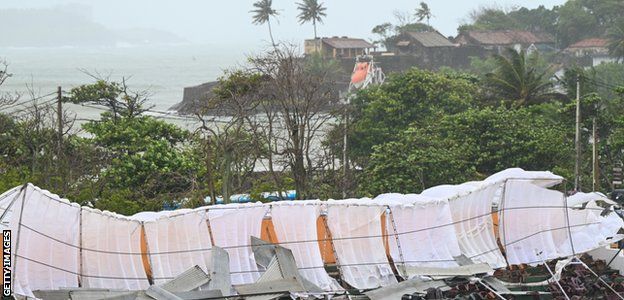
(421, 43)
(338, 47)
(431, 48)
(594, 49)
(498, 40)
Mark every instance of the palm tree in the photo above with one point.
(518, 78)
(262, 14)
(424, 12)
(311, 10)
(616, 41)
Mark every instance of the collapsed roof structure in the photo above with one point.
(510, 218)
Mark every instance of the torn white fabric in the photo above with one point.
(111, 257)
(178, 242)
(232, 226)
(471, 208)
(582, 198)
(424, 229)
(355, 226)
(295, 227)
(46, 249)
(592, 227)
(539, 178)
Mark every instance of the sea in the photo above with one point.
(163, 71)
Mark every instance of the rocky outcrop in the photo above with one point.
(193, 96)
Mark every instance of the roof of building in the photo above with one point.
(508, 37)
(346, 43)
(430, 39)
(590, 43)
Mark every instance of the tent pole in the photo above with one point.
(149, 271)
(396, 236)
(17, 240)
(80, 268)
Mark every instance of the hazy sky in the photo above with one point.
(228, 22)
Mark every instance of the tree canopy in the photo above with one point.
(262, 13)
(466, 146)
(518, 78)
(311, 11)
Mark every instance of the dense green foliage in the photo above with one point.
(415, 96)
(421, 129)
(466, 146)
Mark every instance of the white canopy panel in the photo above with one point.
(471, 208)
(423, 227)
(355, 226)
(45, 246)
(288, 218)
(177, 243)
(232, 226)
(111, 257)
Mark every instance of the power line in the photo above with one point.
(26, 101)
(16, 113)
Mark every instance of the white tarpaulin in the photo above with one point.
(471, 208)
(536, 224)
(424, 229)
(232, 227)
(47, 244)
(111, 257)
(288, 218)
(177, 243)
(355, 226)
(582, 198)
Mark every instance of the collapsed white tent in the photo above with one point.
(57, 244)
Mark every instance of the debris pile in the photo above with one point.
(579, 282)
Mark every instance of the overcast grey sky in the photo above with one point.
(229, 22)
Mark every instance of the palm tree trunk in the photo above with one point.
(314, 23)
(271, 34)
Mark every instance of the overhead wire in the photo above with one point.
(20, 103)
